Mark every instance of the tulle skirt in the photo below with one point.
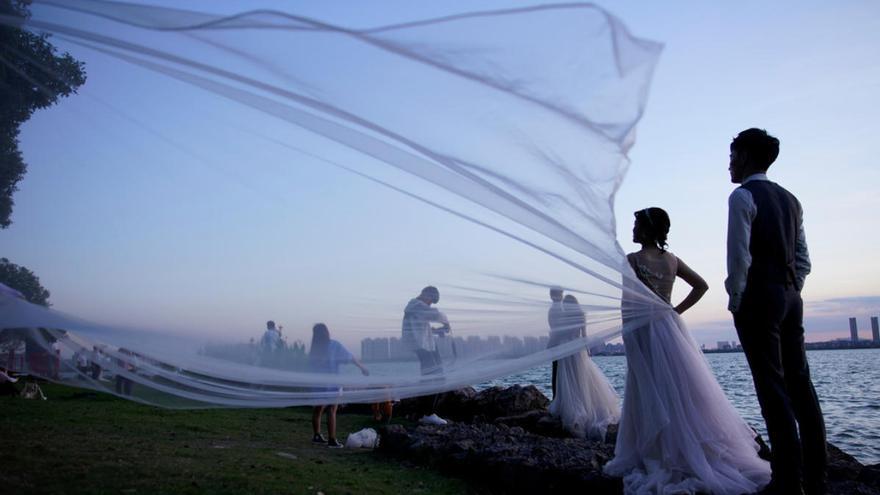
(678, 432)
(585, 401)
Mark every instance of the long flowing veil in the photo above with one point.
(264, 165)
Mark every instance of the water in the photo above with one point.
(848, 384)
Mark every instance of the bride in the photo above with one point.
(678, 432)
(584, 400)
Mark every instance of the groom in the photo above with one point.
(556, 320)
(767, 262)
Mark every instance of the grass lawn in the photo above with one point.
(84, 442)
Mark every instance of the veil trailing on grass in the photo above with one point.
(244, 166)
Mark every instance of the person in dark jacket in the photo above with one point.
(767, 264)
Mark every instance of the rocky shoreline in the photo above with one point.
(505, 441)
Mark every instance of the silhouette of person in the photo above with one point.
(418, 335)
(556, 321)
(767, 263)
(325, 356)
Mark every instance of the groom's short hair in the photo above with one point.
(762, 148)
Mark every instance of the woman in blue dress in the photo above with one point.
(325, 356)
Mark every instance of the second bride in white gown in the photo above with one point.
(678, 433)
(585, 401)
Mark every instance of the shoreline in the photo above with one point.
(80, 441)
(817, 346)
(507, 435)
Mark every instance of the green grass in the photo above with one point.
(84, 442)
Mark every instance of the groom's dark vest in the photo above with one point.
(774, 234)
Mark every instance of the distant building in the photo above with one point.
(375, 349)
(875, 329)
(607, 350)
(724, 345)
(460, 347)
(474, 346)
(471, 346)
(513, 346)
(445, 346)
(853, 330)
(531, 344)
(398, 352)
(543, 341)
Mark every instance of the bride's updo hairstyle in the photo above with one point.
(653, 226)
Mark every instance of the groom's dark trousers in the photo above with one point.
(769, 323)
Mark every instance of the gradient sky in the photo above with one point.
(808, 72)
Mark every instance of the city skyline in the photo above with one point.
(508, 346)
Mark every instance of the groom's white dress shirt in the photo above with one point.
(741, 213)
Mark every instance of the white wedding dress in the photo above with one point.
(585, 401)
(678, 432)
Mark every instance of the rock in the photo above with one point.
(514, 459)
(468, 405)
(508, 437)
(498, 402)
(849, 488)
(842, 466)
(870, 476)
(611, 434)
(539, 422)
(457, 404)
(847, 476)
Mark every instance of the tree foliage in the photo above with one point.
(24, 281)
(32, 76)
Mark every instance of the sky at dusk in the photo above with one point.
(128, 223)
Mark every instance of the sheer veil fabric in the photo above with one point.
(678, 432)
(684, 436)
(585, 402)
(478, 152)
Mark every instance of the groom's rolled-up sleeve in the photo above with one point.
(741, 213)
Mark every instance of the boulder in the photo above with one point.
(847, 476)
(539, 422)
(496, 402)
(842, 466)
(468, 405)
(457, 405)
(508, 437)
(509, 459)
(870, 475)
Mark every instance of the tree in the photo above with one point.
(32, 76)
(24, 281)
